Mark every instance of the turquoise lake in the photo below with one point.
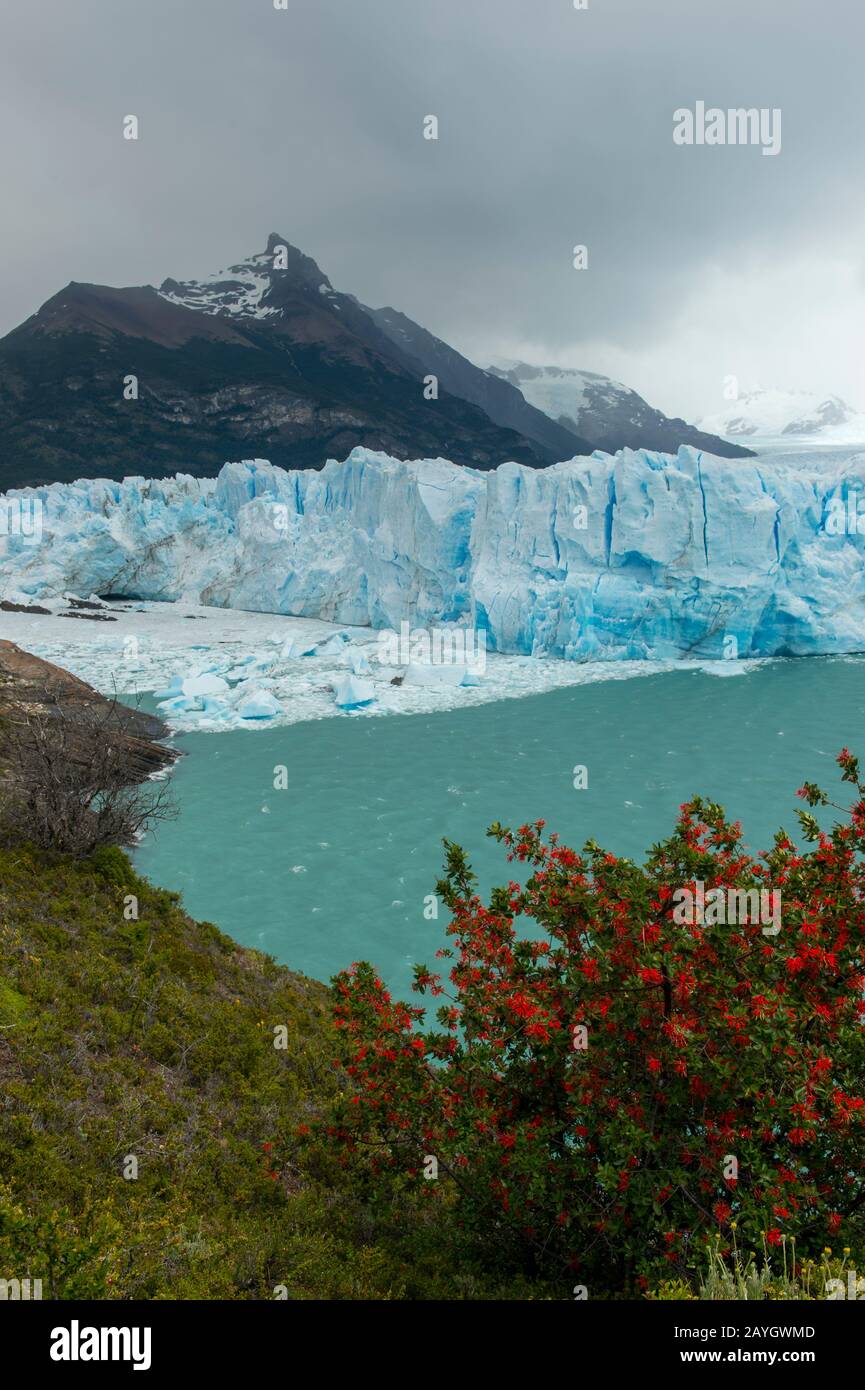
(336, 867)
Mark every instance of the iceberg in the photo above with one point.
(334, 646)
(205, 684)
(358, 661)
(420, 673)
(295, 647)
(351, 693)
(173, 689)
(259, 704)
(178, 704)
(632, 556)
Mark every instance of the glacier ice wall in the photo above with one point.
(633, 555)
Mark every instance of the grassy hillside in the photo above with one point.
(153, 1039)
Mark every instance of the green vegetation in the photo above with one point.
(154, 1039)
(775, 1277)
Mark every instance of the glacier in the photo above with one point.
(633, 556)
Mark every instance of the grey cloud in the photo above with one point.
(555, 128)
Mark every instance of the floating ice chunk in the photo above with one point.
(471, 678)
(179, 704)
(204, 685)
(418, 673)
(250, 666)
(211, 704)
(259, 704)
(725, 668)
(296, 646)
(259, 666)
(334, 646)
(352, 693)
(359, 664)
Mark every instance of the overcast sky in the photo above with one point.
(555, 128)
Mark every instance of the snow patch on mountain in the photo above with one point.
(251, 289)
(563, 393)
(606, 412)
(237, 291)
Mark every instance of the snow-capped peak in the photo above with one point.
(771, 413)
(606, 412)
(244, 290)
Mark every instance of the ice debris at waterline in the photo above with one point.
(636, 555)
(259, 670)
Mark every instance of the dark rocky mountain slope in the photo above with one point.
(261, 360)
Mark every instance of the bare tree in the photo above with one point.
(71, 779)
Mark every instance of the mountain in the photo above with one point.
(774, 413)
(606, 412)
(263, 358)
(492, 393)
(614, 557)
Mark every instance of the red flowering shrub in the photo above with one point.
(603, 1095)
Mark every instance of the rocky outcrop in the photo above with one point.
(31, 687)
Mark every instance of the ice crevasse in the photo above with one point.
(632, 555)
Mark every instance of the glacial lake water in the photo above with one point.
(336, 867)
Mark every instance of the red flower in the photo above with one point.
(698, 1049)
(522, 1005)
(650, 976)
